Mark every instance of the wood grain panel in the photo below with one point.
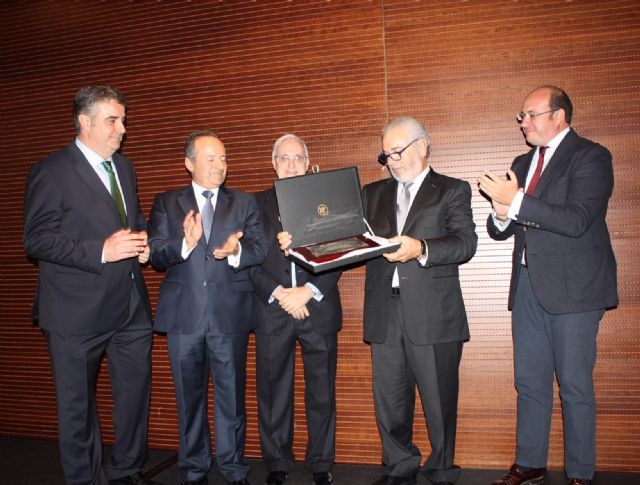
(332, 72)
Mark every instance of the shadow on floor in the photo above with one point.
(36, 462)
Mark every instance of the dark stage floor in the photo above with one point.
(34, 462)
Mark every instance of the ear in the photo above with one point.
(422, 147)
(273, 162)
(85, 121)
(188, 164)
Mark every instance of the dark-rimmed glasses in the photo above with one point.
(520, 117)
(383, 158)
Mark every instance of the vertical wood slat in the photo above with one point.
(332, 72)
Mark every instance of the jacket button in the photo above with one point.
(204, 283)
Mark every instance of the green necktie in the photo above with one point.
(115, 191)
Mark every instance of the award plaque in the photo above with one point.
(323, 213)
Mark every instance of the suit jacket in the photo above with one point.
(67, 217)
(202, 283)
(431, 297)
(326, 315)
(569, 256)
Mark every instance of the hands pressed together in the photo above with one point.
(124, 244)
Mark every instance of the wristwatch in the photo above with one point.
(424, 252)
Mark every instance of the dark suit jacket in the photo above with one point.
(202, 283)
(569, 256)
(326, 315)
(67, 217)
(431, 297)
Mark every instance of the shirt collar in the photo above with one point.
(556, 140)
(92, 157)
(198, 189)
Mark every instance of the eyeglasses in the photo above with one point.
(287, 158)
(520, 117)
(383, 158)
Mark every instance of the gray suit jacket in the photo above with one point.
(431, 297)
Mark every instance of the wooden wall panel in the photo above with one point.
(333, 72)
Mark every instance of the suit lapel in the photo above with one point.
(128, 191)
(428, 195)
(187, 201)
(565, 148)
(221, 214)
(86, 172)
(388, 201)
(272, 210)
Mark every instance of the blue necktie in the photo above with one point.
(207, 214)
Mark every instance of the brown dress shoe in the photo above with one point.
(516, 476)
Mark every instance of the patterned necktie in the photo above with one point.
(403, 205)
(536, 175)
(207, 214)
(115, 191)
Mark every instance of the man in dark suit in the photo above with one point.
(563, 278)
(554, 200)
(206, 304)
(83, 224)
(294, 305)
(414, 315)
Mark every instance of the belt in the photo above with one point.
(395, 291)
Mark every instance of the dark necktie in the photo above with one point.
(403, 205)
(536, 175)
(207, 214)
(115, 191)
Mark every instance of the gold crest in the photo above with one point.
(323, 210)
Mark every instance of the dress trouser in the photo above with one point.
(275, 364)
(193, 357)
(543, 344)
(76, 362)
(398, 366)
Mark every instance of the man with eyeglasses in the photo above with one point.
(554, 201)
(294, 305)
(414, 314)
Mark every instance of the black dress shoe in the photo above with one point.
(394, 480)
(276, 478)
(135, 479)
(244, 481)
(322, 478)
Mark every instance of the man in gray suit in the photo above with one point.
(206, 236)
(414, 316)
(82, 222)
(294, 305)
(554, 201)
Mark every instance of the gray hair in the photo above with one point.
(415, 128)
(88, 97)
(285, 137)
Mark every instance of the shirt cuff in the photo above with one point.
(501, 225)
(234, 261)
(185, 252)
(317, 294)
(273, 294)
(514, 208)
